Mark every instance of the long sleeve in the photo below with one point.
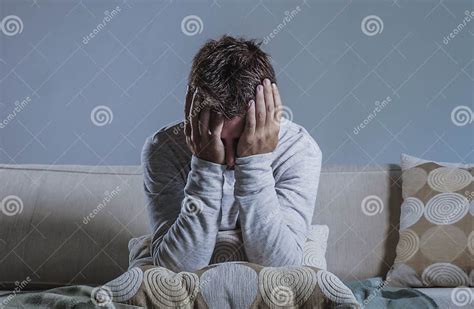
(276, 204)
(184, 211)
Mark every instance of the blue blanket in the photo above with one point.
(372, 293)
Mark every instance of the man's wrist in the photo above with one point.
(259, 158)
(208, 166)
(253, 173)
(205, 178)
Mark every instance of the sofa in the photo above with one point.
(69, 228)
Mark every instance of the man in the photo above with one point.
(230, 165)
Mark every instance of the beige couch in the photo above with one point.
(73, 223)
(76, 221)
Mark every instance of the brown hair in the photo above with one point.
(227, 71)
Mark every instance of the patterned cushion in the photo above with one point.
(228, 285)
(436, 243)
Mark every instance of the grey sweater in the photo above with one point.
(269, 197)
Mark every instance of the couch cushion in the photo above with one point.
(436, 244)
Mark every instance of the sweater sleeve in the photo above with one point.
(275, 215)
(185, 214)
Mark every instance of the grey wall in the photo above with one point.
(330, 72)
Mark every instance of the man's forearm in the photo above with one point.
(272, 231)
(189, 243)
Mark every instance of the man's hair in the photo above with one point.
(227, 71)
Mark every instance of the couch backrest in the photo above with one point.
(71, 224)
(361, 206)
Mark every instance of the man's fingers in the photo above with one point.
(250, 121)
(190, 144)
(269, 104)
(187, 108)
(216, 124)
(260, 108)
(204, 124)
(194, 119)
(278, 104)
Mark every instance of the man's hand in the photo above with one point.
(203, 131)
(262, 123)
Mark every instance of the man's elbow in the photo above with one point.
(159, 260)
(174, 264)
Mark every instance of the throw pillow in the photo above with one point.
(436, 243)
